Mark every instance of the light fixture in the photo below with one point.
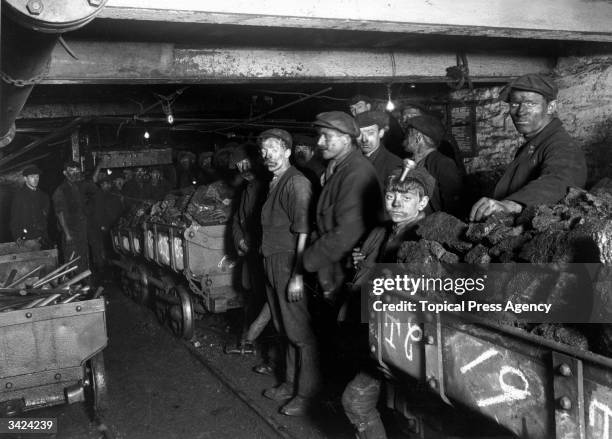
(109, 171)
(390, 105)
(146, 135)
(170, 118)
(413, 85)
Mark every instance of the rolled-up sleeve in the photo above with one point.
(299, 204)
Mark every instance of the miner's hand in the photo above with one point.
(485, 207)
(243, 247)
(295, 290)
(358, 258)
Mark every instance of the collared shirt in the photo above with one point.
(543, 168)
(286, 212)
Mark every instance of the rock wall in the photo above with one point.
(585, 107)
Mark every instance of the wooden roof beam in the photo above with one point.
(569, 20)
(159, 63)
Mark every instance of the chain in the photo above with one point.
(20, 83)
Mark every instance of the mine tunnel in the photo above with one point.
(306, 219)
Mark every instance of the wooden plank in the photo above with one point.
(133, 63)
(577, 20)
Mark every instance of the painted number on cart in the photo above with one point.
(404, 334)
(599, 419)
(510, 391)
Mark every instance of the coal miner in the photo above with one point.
(373, 126)
(30, 209)
(423, 137)
(307, 160)
(406, 196)
(285, 219)
(106, 210)
(246, 232)
(70, 204)
(547, 164)
(448, 145)
(350, 203)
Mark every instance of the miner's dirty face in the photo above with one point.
(32, 180)
(302, 154)
(360, 107)
(370, 138)
(275, 154)
(404, 206)
(332, 143)
(530, 111)
(72, 174)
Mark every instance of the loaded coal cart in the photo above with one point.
(52, 333)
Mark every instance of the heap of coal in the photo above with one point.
(576, 230)
(205, 205)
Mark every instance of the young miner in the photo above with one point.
(406, 196)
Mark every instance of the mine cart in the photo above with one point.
(531, 386)
(49, 353)
(52, 355)
(180, 270)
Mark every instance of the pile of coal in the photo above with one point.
(553, 239)
(205, 205)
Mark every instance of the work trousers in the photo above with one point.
(359, 400)
(292, 319)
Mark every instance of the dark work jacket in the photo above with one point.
(246, 223)
(107, 209)
(448, 192)
(286, 213)
(29, 212)
(350, 205)
(75, 201)
(543, 168)
(384, 163)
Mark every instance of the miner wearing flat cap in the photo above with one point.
(423, 136)
(373, 126)
(350, 203)
(547, 164)
(285, 224)
(30, 208)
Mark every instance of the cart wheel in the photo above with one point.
(181, 316)
(144, 290)
(125, 283)
(95, 385)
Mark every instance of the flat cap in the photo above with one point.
(418, 174)
(370, 118)
(339, 121)
(531, 82)
(359, 98)
(239, 154)
(30, 170)
(303, 139)
(429, 125)
(276, 133)
(426, 180)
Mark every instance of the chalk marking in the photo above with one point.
(510, 393)
(480, 359)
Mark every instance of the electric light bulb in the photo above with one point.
(146, 135)
(390, 105)
(109, 172)
(170, 119)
